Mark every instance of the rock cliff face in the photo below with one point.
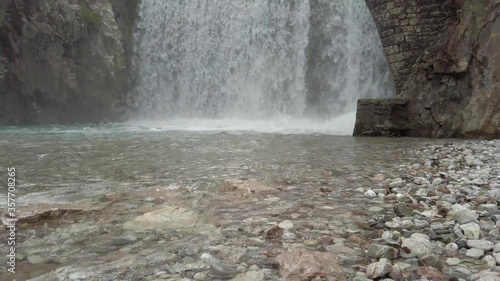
(64, 61)
(450, 84)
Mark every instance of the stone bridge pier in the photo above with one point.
(407, 28)
(445, 60)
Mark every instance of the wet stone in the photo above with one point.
(415, 246)
(378, 269)
(474, 253)
(481, 244)
(452, 249)
(420, 223)
(403, 210)
(496, 248)
(488, 262)
(382, 251)
(35, 259)
(462, 214)
(250, 276)
(431, 260)
(471, 230)
(376, 210)
(286, 225)
(453, 261)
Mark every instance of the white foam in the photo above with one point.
(342, 125)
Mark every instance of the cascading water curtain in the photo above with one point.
(256, 58)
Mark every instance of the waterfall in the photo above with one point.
(256, 59)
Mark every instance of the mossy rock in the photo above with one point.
(90, 16)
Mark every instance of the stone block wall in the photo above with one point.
(447, 67)
(407, 28)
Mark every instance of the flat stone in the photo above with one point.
(492, 209)
(420, 181)
(450, 198)
(474, 253)
(452, 261)
(370, 193)
(380, 191)
(377, 251)
(489, 273)
(431, 274)
(407, 224)
(496, 248)
(437, 226)
(392, 225)
(403, 265)
(250, 276)
(431, 260)
(489, 278)
(395, 274)
(397, 183)
(379, 177)
(460, 272)
(361, 278)
(311, 243)
(471, 230)
(288, 235)
(481, 244)
(420, 236)
(378, 270)
(437, 181)
(300, 264)
(488, 262)
(462, 214)
(286, 224)
(169, 218)
(415, 247)
(376, 210)
(403, 210)
(200, 276)
(420, 223)
(35, 259)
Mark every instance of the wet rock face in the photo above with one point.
(452, 79)
(63, 62)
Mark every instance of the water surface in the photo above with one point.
(124, 171)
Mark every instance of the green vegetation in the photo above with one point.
(90, 16)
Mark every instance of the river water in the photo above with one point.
(238, 184)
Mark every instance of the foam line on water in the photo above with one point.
(342, 125)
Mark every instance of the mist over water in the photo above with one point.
(240, 64)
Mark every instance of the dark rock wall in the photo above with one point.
(63, 61)
(451, 82)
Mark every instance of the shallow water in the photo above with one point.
(125, 171)
(83, 160)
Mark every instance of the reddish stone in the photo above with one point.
(431, 274)
(300, 265)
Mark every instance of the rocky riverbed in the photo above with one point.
(430, 213)
(439, 219)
